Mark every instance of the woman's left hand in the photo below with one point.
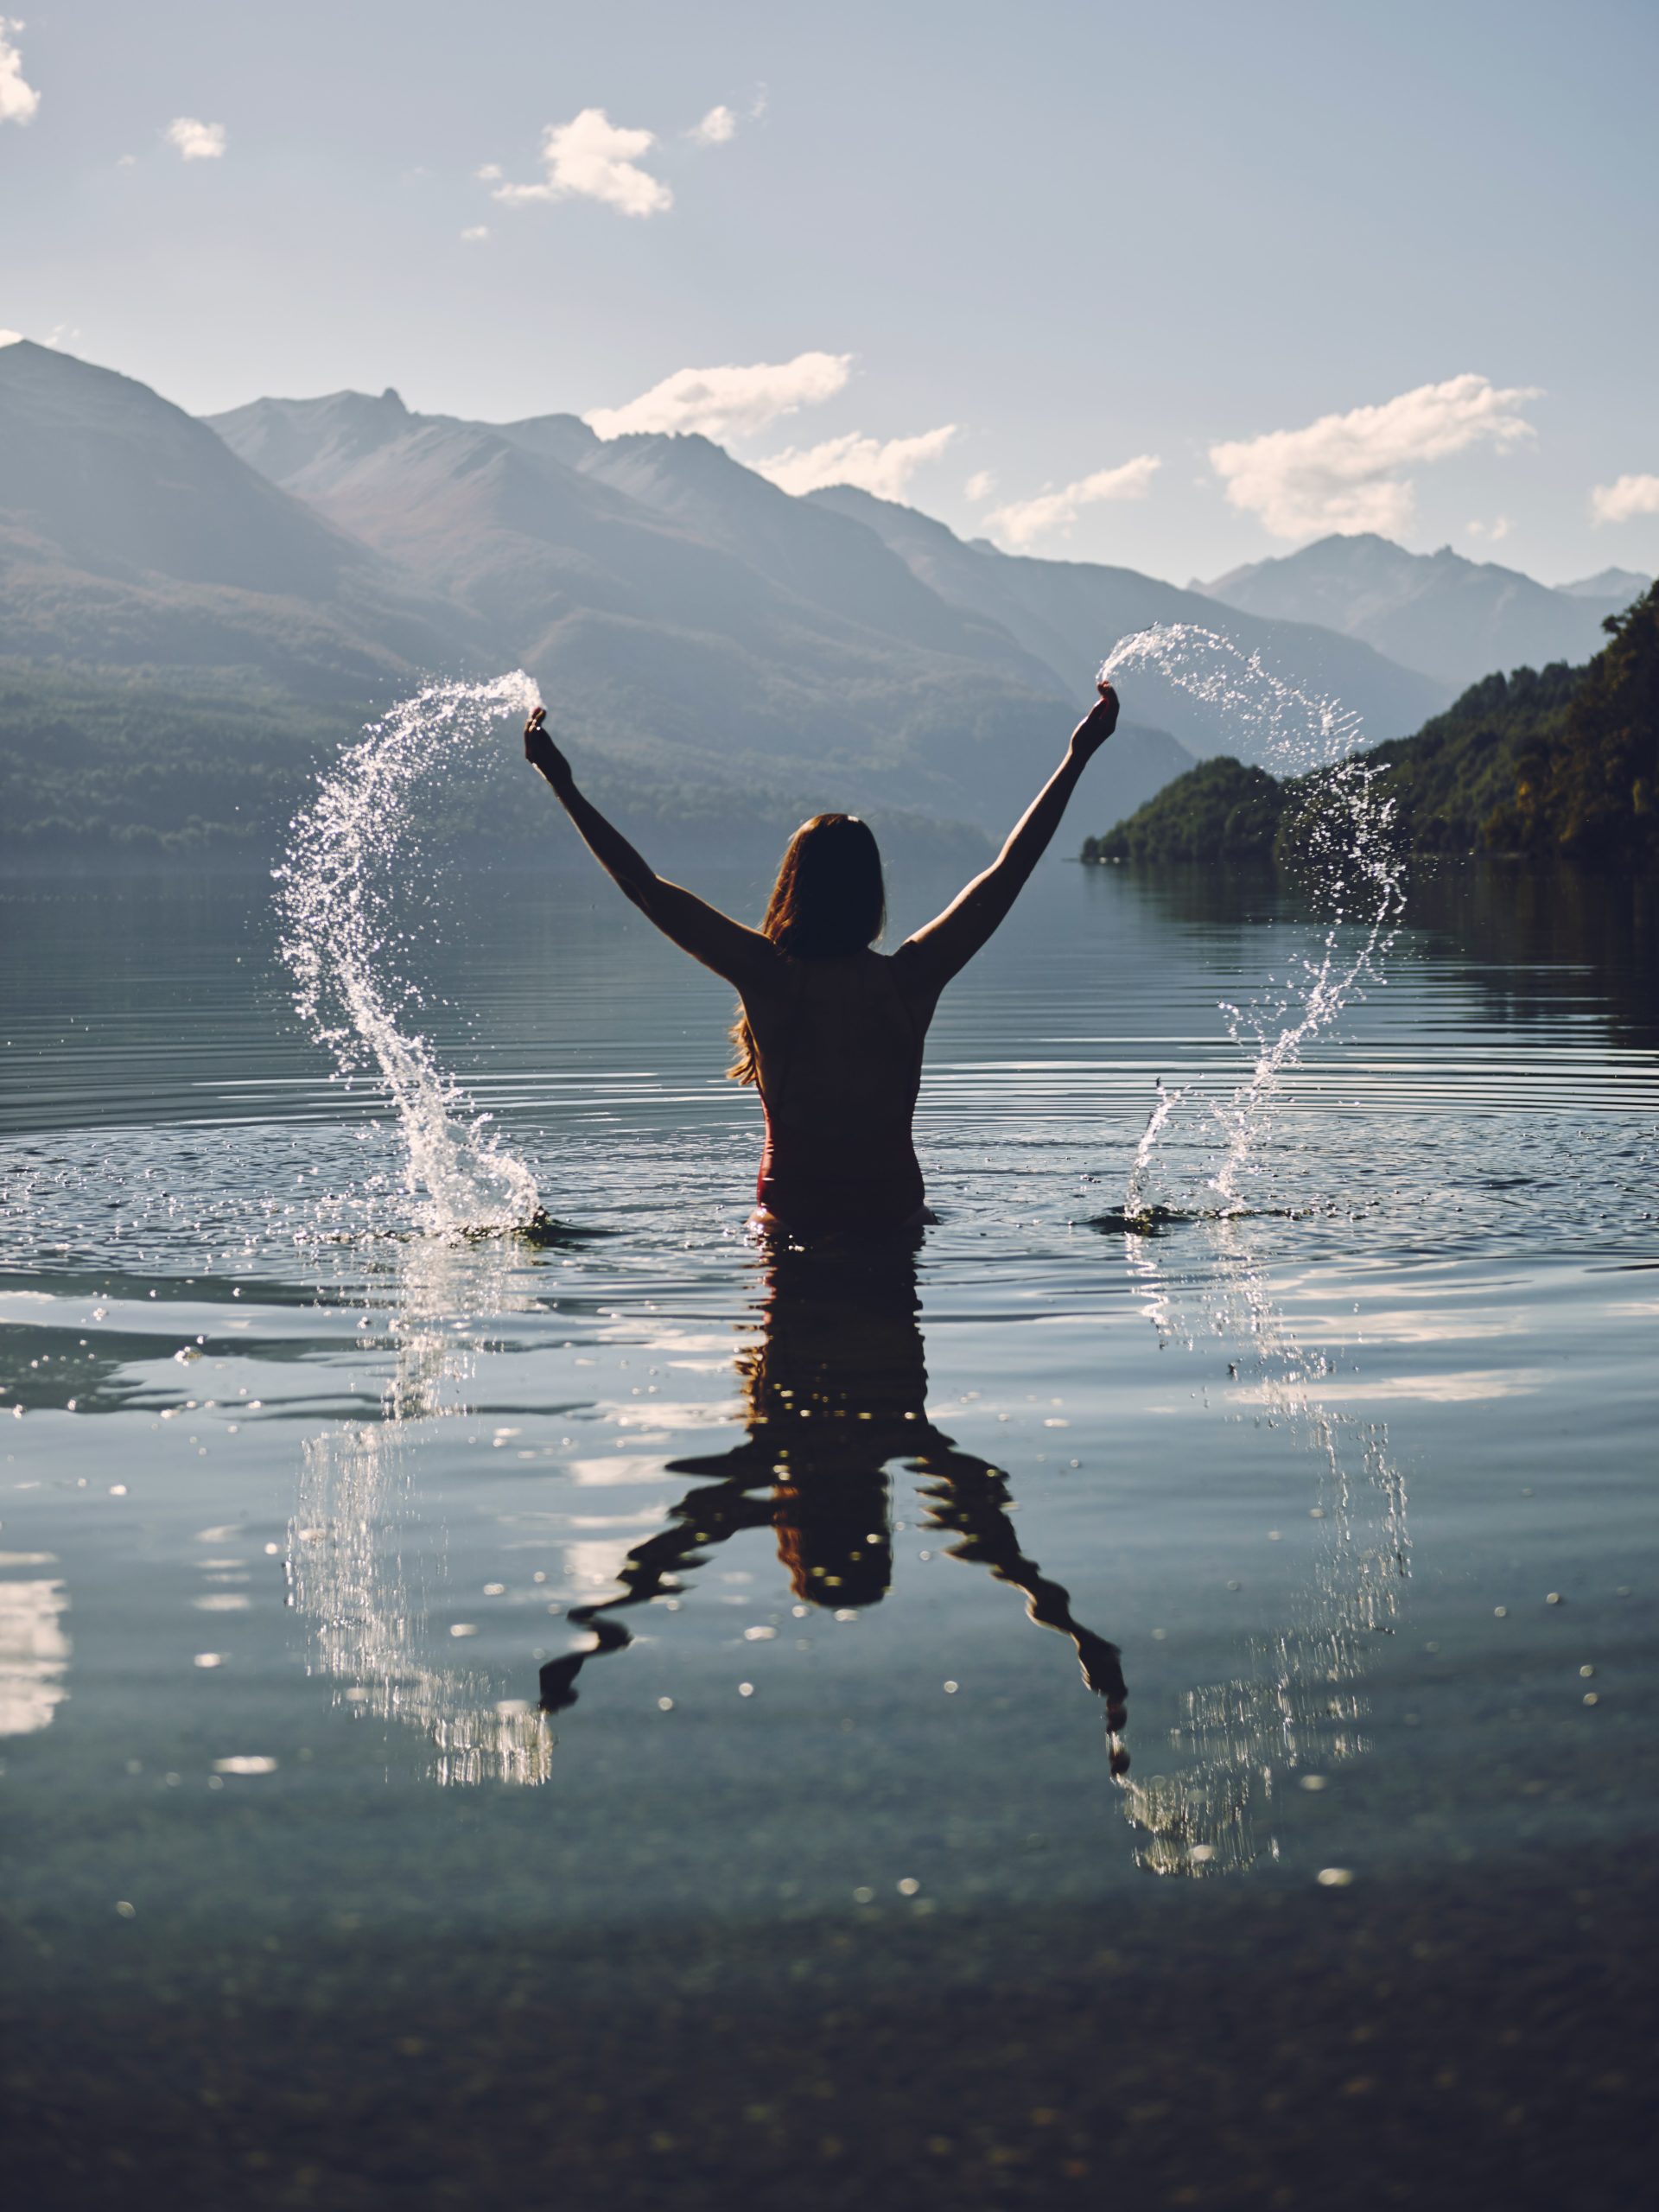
(541, 752)
(1096, 726)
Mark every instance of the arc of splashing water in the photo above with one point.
(1301, 1700)
(336, 903)
(1298, 732)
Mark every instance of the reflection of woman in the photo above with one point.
(836, 1390)
(831, 1032)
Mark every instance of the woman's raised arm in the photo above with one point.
(947, 943)
(742, 956)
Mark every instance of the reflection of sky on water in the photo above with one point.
(34, 1646)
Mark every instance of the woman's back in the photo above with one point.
(838, 1045)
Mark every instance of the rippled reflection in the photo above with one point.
(346, 1563)
(835, 1390)
(1299, 1706)
(33, 1647)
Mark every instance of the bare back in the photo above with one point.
(839, 1046)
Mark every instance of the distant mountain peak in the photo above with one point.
(1620, 586)
(1441, 612)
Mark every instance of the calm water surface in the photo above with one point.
(636, 1717)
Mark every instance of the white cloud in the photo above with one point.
(1023, 521)
(980, 485)
(1343, 472)
(593, 158)
(730, 402)
(1493, 531)
(475, 234)
(196, 141)
(716, 127)
(18, 99)
(1622, 501)
(492, 173)
(12, 337)
(874, 465)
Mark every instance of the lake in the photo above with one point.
(1086, 1708)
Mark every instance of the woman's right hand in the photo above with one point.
(1096, 726)
(541, 752)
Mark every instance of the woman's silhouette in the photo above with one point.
(830, 1030)
(836, 1391)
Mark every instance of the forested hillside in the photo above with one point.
(1559, 762)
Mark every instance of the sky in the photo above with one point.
(1176, 287)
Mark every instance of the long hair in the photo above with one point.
(829, 901)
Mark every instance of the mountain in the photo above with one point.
(129, 534)
(1453, 619)
(720, 657)
(433, 488)
(1616, 587)
(182, 633)
(1557, 762)
(1070, 614)
(708, 625)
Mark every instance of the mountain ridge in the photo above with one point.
(1452, 618)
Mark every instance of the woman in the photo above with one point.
(830, 1032)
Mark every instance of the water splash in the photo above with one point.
(1345, 852)
(1137, 1203)
(1354, 867)
(1272, 721)
(352, 849)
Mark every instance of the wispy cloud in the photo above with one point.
(1022, 521)
(593, 158)
(1493, 531)
(1625, 500)
(18, 99)
(730, 402)
(884, 467)
(1343, 473)
(981, 485)
(475, 234)
(716, 127)
(12, 337)
(194, 141)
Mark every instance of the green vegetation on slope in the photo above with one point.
(124, 765)
(1560, 762)
(129, 761)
